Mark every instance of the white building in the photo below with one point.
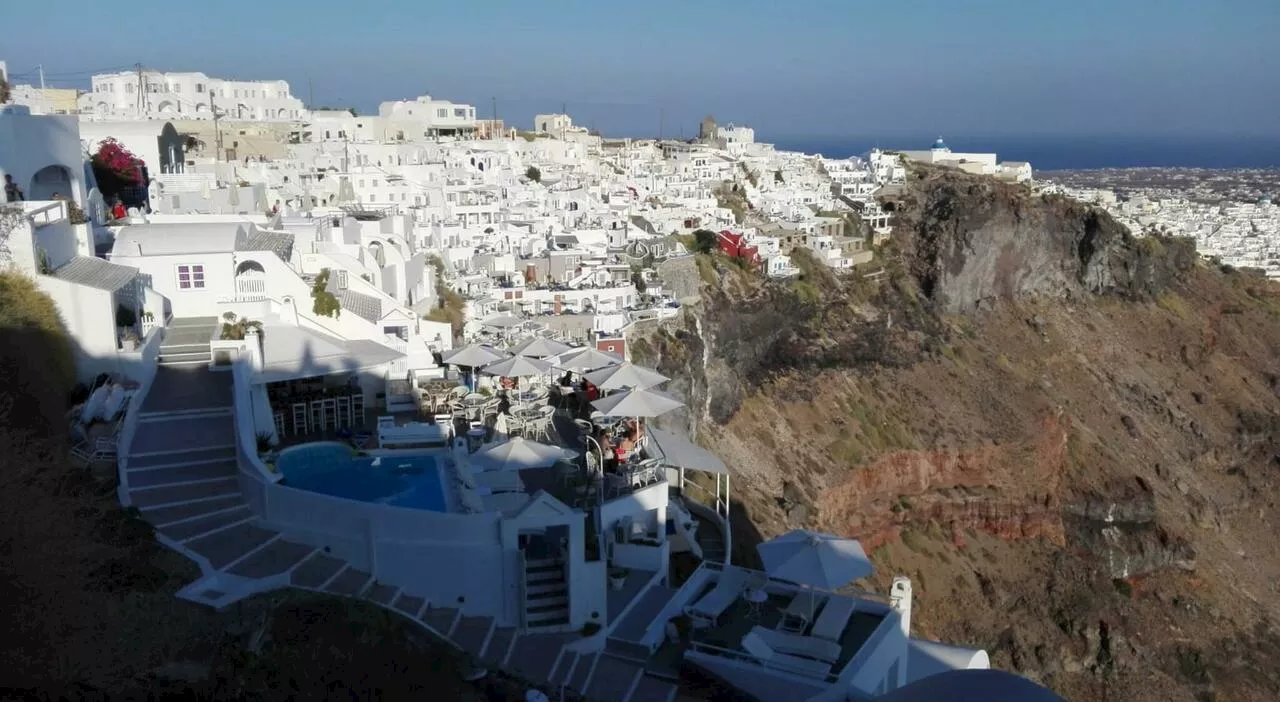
(426, 118)
(160, 95)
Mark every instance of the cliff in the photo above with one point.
(1067, 437)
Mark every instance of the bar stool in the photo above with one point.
(279, 419)
(317, 415)
(357, 409)
(344, 411)
(330, 407)
(300, 425)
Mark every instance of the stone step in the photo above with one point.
(184, 348)
(350, 583)
(582, 672)
(499, 646)
(472, 633)
(155, 477)
(277, 557)
(193, 528)
(182, 358)
(225, 547)
(651, 689)
(409, 604)
(613, 678)
(187, 458)
(546, 603)
(382, 593)
(184, 434)
(534, 655)
(545, 588)
(177, 514)
(317, 571)
(544, 576)
(439, 618)
(173, 495)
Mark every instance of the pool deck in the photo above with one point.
(181, 473)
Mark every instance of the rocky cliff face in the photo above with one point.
(1067, 437)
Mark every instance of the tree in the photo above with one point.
(777, 176)
(115, 168)
(532, 173)
(324, 303)
(4, 91)
(705, 241)
(637, 279)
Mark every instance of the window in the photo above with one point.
(459, 112)
(128, 88)
(442, 112)
(199, 87)
(191, 277)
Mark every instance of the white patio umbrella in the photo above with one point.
(588, 359)
(637, 403)
(625, 375)
(517, 367)
(520, 454)
(540, 347)
(814, 559)
(502, 321)
(473, 356)
(233, 195)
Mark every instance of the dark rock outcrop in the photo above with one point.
(969, 240)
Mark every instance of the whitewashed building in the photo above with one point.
(188, 95)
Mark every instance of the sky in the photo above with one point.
(793, 69)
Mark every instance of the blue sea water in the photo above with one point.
(1072, 152)
(333, 469)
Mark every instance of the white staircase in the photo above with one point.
(546, 594)
(186, 341)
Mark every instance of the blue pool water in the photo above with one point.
(333, 469)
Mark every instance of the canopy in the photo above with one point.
(474, 356)
(625, 375)
(679, 452)
(637, 403)
(519, 454)
(517, 367)
(812, 558)
(540, 347)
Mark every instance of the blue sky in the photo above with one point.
(799, 68)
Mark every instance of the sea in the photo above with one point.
(1070, 152)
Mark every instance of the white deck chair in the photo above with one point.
(797, 645)
(709, 607)
(102, 449)
(802, 610)
(831, 624)
(761, 651)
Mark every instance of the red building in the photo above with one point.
(735, 246)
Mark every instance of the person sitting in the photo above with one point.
(504, 404)
(625, 446)
(566, 380)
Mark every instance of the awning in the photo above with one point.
(682, 453)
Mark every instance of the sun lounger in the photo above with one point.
(802, 610)
(835, 615)
(710, 606)
(797, 645)
(760, 649)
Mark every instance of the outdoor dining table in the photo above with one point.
(527, 414)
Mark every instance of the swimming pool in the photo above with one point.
(334, 469)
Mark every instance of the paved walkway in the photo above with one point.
(181, 475)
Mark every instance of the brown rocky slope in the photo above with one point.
(1067, 437)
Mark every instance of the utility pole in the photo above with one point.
(40, 67)
(311, 94)
(493, 128)
(141, 88)
(217, 129)
(662, 121)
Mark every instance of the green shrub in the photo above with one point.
(324, 303)
(37, 366)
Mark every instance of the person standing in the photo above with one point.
(118, 211)
(12, 193)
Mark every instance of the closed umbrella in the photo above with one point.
(540, 347)
(233, 196)
(625, 375)
(520, 454)
(637, 403)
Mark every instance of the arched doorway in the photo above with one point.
(50, 181)
(251, 281)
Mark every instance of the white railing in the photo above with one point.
(40, 215)
(150, 353)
